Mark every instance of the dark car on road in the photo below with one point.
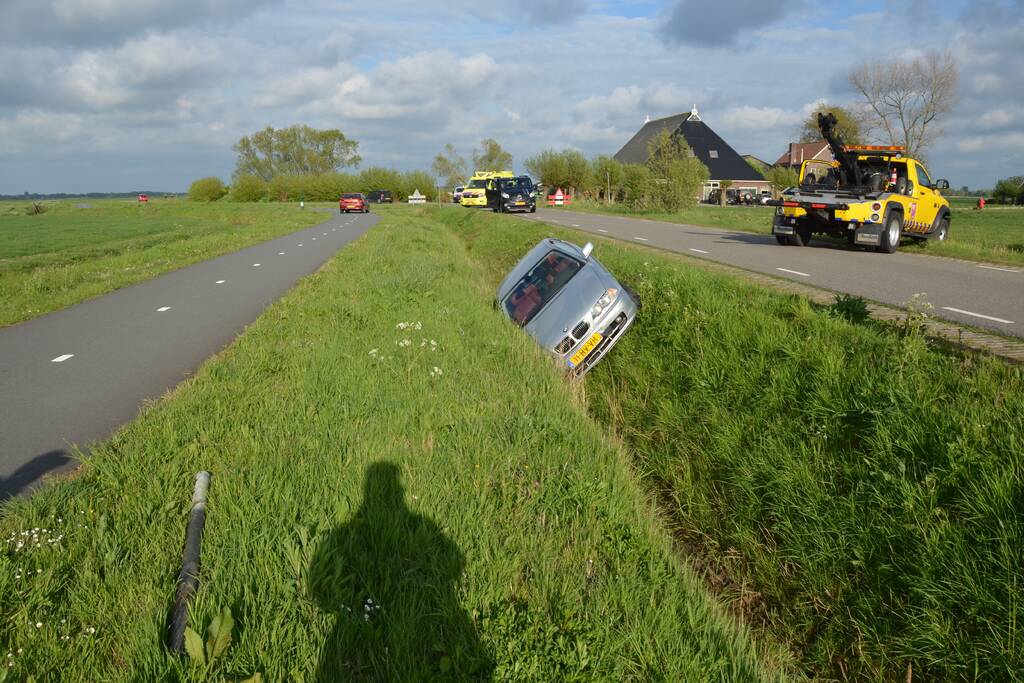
(380, 197)
(513, 194)
(568, 302)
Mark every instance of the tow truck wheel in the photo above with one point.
(943, 232)
(782, 239)
(889, 240)
(801, 237)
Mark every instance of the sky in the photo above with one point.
(121, 95)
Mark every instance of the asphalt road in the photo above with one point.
(74, 376)
(984, 295)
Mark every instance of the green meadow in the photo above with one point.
(79, 250)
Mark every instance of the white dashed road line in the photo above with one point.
(220, 282)
(575, 225)
(255, 265)
(794, 272)
(280, 253)
(602, 230)
(642, 239)
(314, 239)
(163, 308)
(1005, 270)
(699, 251)
(61, 359)
(300, 245)
(978, 315)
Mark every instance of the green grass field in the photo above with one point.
(403, 489)
(994, 235)
(55, 259)
(851, 488)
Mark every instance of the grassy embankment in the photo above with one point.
(994, 235)
(855, 490)
(55, 259)
(522, 542)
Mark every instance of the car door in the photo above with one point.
(925, 206)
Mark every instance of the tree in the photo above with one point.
(907, 98)
(548, 167)
(449, 166)
(491, 157)
(1009, 190)
(296, 150)
(723, 193)
(851, 124)
(606, 176)
(248, 188)
(781, 177)
(636, 185)
(677, 175)
(207, 189)
(577, 171)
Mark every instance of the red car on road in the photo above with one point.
(354, 201)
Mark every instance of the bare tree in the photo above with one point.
(905, 97)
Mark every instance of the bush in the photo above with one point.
(248, 188)
(207, 189)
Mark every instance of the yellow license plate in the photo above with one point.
(520, 203)
(585, 350)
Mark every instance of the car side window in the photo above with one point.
(922, 177)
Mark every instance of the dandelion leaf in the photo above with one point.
(218, 636)
(194, 646)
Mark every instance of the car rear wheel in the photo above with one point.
(889, 240)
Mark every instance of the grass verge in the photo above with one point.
(55, 259)
(852, 488)
(402, 489)
(995, 235)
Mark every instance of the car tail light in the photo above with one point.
(876, 206)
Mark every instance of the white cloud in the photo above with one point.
(110, 78)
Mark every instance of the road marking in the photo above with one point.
(280, 253)
(255, 265)
(163, 308)
(575, 225)
(300, 245)
(978, 315)
(642, 239)
(314, 239)
(220, 282)
(1005, 270)
(61, 359)
(602, 230)
(699, 251)
(795, 272)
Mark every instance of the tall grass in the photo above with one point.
(403, 489)
(69, 254)
(858, 491)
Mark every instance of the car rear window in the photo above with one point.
(351, 196)
(540, 284)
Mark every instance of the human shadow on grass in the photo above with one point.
(390, 577)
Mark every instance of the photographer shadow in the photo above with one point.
(390, 578)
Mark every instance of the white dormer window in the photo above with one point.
(713, 153)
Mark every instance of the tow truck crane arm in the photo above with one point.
(848, 166)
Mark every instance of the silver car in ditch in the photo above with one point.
(568, 302)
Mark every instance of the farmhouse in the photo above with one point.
(723, 162)
(800, 152)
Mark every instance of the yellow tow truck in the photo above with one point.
(871, 195)
(475, 192)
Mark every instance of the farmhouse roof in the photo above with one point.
(799, 152)
(723, 162)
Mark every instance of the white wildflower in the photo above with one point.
(39, 624)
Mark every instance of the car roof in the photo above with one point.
(533, 256)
